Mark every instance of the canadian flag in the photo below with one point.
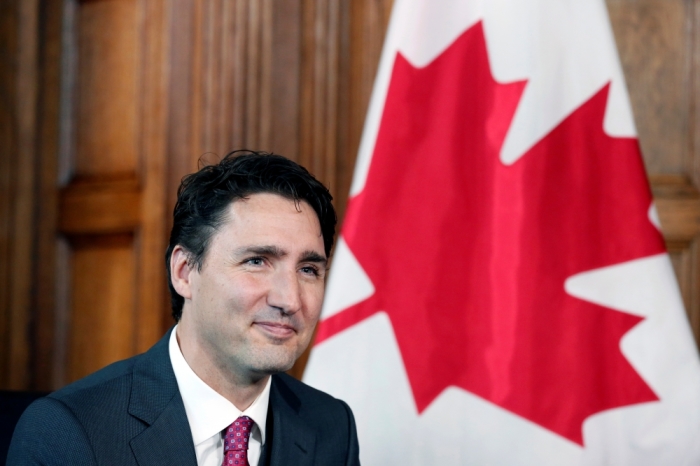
(500, 291)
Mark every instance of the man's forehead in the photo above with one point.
(267, 201)
(268, 219)
(271, 196)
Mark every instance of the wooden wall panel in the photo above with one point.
(110, 231)
(18, 97)
(221, 83)
(319, 93)
(44, 352)
(285, 77)
(106, 100)
(291, 76)
(652, 37)
(231, 50)
(102, 310)
(152, 234)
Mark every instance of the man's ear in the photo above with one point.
(181, 272)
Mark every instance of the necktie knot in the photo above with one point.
(236, 438)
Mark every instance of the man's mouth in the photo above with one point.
(276, 329)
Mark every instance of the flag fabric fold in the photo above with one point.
(500, 291)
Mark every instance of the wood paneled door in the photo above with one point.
(108, 103)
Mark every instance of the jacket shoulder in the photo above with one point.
(81, 411)
(103, 387)
(49, 433)
(94, 419)
(97, 380)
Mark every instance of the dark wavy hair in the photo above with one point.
(203, 198)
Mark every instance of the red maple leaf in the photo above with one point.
(469, 256)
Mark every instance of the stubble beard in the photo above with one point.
(256, 359)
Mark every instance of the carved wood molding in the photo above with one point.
(100, 208)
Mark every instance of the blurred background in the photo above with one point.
(106, 104)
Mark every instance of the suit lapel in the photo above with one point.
(293, 441)
(168, 440)
(155, 400)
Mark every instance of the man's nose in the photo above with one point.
(285, 293)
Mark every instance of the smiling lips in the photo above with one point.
(276, 329)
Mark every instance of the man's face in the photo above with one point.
(256, 300)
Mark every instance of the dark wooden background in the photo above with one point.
(106, 104)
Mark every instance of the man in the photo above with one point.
(246, 264)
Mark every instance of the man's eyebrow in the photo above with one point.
(274, 251)
(313, 256)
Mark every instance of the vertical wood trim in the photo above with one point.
(181, 98)
(266, 111)
(7, 140)
(237, 66)
(231, 69)
(320, 88)
(18, 183)
(150, 277)
(9, 38)
(307, 84)
(24, 229)
(693, 8)
(68, 84)
(54, 324)
(209, 55)
(227, 75)
(47, 354)
(330, 149)
(197, 72)
(284, 78)
(346, 152)
(58, 351)
(251, 68)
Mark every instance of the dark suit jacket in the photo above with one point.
(131, 413)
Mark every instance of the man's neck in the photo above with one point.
(241, 391)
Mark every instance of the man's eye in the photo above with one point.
(310, 270)
(255, 261)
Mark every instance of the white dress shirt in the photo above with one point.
(210, 413)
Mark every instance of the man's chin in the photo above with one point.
(274, 363)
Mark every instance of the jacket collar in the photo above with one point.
(155, 400)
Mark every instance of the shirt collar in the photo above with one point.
(207, 411)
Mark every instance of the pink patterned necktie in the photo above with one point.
(236, 442)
